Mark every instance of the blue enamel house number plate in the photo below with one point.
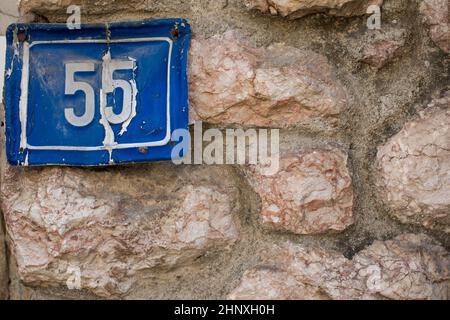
(102, 94)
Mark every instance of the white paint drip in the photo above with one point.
(134, 93)
(2, 63)
(108, 86)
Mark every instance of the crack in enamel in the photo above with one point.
(15, 45)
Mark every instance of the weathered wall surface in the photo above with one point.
(359, 209)
(3, 265)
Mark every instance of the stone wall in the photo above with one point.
(359, 209)
(3, 265)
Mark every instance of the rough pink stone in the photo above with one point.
(114, 225)
(311, 193)
(407, 267)
(414, 169)
(298, 8)
(233, 83)
(436, 16)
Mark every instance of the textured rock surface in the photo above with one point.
(280, 86)
(414, 168)
(311, 193)
(382, 47)
(9, 13)
(407, 267)
(300, 8)
(436, 16)
(114, 224)
(88, 6)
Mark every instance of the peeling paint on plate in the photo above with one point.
(97, 95)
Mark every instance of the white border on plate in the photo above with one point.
(23, 102)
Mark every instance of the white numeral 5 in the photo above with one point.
(72, 86)
(108, 86)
